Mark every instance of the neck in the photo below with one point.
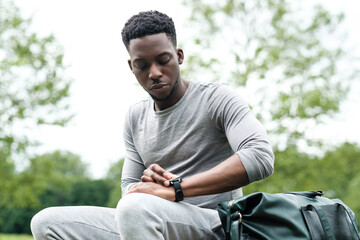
(178, 92)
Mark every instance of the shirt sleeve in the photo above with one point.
(133, 166)
(246, 135)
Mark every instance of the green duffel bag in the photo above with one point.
(293, 215)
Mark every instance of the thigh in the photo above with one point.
(83, 222)
(144, 216)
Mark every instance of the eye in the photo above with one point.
(164, 59)
(140, 65)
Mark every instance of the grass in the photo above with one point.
(15, 237)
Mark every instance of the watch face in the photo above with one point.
(172, 181)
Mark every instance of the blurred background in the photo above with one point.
(65, 87)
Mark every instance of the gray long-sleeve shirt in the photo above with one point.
(207, 125)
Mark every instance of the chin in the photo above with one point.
(160, 99)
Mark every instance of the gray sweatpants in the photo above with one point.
(137, 216)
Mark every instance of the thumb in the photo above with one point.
(168, 176)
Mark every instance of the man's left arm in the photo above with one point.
(228, 175)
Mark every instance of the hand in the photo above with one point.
(157, 174)
(153, 188)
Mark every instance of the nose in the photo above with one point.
(155, 72)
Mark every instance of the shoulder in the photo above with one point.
(140, 106)
(211, 90)
(138, 109)
(218, 93)
(223, 100)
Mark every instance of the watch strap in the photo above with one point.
(179, 195)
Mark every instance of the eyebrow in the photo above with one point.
(160, 55)
(164, 53)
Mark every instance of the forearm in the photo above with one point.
(228, 175)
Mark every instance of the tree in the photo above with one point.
(33, 84)
(342, 166)
(58, 164)
(47, 181)
(90, 192)
(114, 178)
(33, 91)
(284, 53)
(55, 174)
(59, 178)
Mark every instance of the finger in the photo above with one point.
(155, 176)
(148, 173)
(157, 169)
(146, 179)
(162, 172)
(158, 173)
(169, 175)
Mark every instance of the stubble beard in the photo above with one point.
(168, 96)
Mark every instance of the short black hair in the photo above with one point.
(148, 23)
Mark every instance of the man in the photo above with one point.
(188, 147)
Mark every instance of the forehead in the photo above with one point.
(150, 45)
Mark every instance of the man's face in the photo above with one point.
(155, 64)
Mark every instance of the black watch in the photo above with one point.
(179, 196)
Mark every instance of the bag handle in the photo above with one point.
(325, 223)
(310, 194)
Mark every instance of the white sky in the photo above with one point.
(104, 87)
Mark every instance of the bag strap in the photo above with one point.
(352, 218)
(228, 224)
(234, 233)
(236, 226)
(325, 224)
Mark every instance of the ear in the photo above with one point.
(129, 62)
(180, 55)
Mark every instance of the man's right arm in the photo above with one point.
(133, 166)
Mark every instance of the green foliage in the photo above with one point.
(114, 177)
(60, 164)
(33, 86)
(53, 179)
(343, 166)
(285, 54)
(16, 220)
(48, 176)
(90, 192)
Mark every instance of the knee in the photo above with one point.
(128, 207)
(134, 205)
(137, 213)
(41, 222)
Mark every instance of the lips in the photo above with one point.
(157, 86)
